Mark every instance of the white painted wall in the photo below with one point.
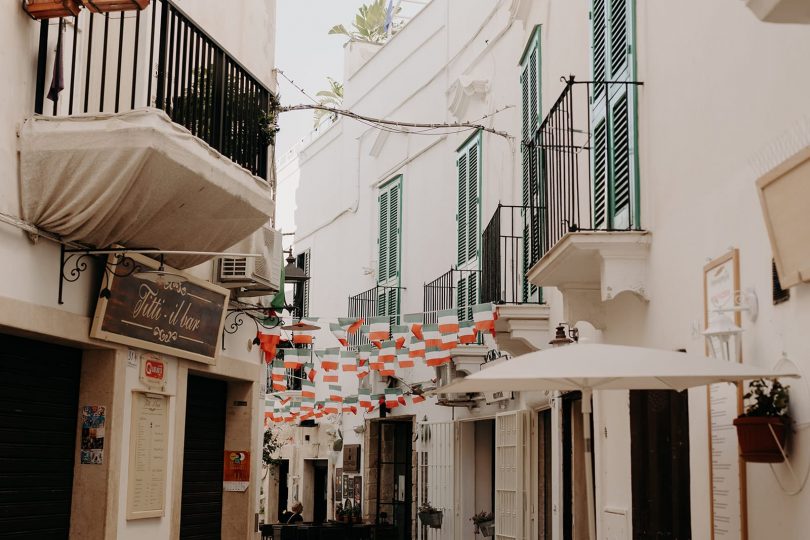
(724, 99)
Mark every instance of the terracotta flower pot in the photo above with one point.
(47, 9)
(757, 444)
(106, 6)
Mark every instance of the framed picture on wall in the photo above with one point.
(338, 485)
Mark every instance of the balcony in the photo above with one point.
(377, 301)
(589, 242)
(159, 134)
(511, 240)
(781, 11)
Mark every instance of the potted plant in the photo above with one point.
(340, 514)
(356, 517)
(484, 523)
(762, 429)
(430, 516)
(47, 9)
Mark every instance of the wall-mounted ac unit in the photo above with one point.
(253, 276)
(447, 373)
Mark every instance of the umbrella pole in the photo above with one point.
(589, 488)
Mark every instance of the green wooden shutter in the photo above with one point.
(472, 201)
(599, 43)
(461, 297)
(472, 294)
(382, 307)
(600, 175)
(393, 231)
(620, 157)
(534, 91)
(462, 208)
(383, 236)
(619, 39)
(393, 306)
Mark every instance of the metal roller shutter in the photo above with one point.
(39, 399)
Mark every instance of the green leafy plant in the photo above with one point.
(482, 517)
(329, 98)
(269, 448)
(369, 23)
(428, 508)
(766, 398)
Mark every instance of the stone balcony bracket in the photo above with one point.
(522, 328)
(591, 268)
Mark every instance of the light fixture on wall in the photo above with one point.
(723, 334)
(563, 338)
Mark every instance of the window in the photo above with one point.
(468, 166)
(615, 198)
(389, 256)
(301, 304)
(779, 294)
(532, 199)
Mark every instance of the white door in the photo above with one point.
(511, 431)
(435, 482)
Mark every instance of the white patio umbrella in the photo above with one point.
(605, 367)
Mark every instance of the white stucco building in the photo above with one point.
(638, 131)
(131, 130)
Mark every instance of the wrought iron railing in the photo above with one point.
(454, 289)
(583, 162)
(510, 241)
(374, 302)
(157, 57)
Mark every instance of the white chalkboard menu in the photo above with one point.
(148, 452)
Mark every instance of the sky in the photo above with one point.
(307, 55)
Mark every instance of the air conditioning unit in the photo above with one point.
(447, 373)
(253, 276)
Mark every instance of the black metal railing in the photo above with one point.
(455, 288)
(157, 57)
(510, 242)
(377, 301)
(582, 162)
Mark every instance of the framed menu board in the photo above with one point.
(148, 452)
(721, 281)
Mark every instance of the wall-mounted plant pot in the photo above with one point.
(432, 519)
(757, 444)
(487, 528)
(106, 6)
(49, 9)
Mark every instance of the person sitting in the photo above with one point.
(296, 516)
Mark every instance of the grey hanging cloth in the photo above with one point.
(58, 79)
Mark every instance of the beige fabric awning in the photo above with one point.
(138, 180)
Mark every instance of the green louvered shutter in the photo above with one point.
(393, 231)
(472, 294)
(534, 91)
(599, 44)
(472, 201)
(620, 156)
(462, 208)
(383, 237)
(619, 39)
(600, 175)
(393, 306)
(461, 297)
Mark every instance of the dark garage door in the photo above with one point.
(39, 395)
(201, 512)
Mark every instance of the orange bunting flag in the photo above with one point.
(330, 378)
(434, 356)
(279, 376)
(348, 361)
(484, 316)
(294, 358)
(364, 397)
(374, 362)
(268, 342)
(307, 389)
(350, 325)
(336, 393)
(404, 359)
(330, 359)
(417, 399)
(400, 334)
(363, 354)
(417, 349)
(392, 396)
(433, 338)
(311, 372)
(414, 321)
(449, 341)
(466, 332)
(340, 333)
(448, 321)
(388, 355)
(350, 404)
(379, 329)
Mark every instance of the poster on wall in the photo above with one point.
(721, 280)
(148, 453)
(236, 475)
(93, 420)
(358, 491)
(338, 485)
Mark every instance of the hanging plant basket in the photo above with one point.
(487, 528)
(432, 519)
(49, 9)
(106, 6)
(757, 444)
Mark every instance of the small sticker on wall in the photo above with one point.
(94, 418)
(236, 476)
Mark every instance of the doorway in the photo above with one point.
(659, 442)
(283, 471)
(544, 470)
(203, 450)
(39, 400)
(394, 476)
(575, 493)
(321, 487)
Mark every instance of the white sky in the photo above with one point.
(307, 55)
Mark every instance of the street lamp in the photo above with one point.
(296, 276)
(723, 337)
(561, 339)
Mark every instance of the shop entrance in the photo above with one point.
(39, 400)
(204, 447)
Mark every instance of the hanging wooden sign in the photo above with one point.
(182, 316)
